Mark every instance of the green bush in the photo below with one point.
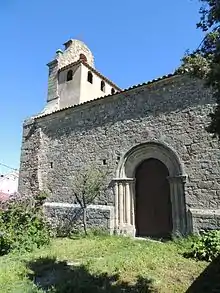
(22, 226)
(206, 246)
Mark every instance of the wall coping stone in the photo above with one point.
(70, 205)
(204, 212)
(123, 179)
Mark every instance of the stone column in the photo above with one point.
(128, 202)
(121, 204)
(124, 206)
(182, 204)
(116, 206)
(177, 198)
(133, 206)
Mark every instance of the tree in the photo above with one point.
(87, 186)
(204, 62)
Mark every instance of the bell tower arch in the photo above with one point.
(73, 78)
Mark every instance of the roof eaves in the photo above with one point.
(122, 91)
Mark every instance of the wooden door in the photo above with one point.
(153, 211)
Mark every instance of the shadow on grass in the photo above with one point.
(209, 280)
(60, 277)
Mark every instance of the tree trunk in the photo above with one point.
(84, 221)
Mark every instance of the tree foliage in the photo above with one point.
(23, 226)
(206, 246)
(204, 62)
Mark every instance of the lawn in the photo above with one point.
(101, 264)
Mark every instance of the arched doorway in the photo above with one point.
(169, 164)
(153, 210)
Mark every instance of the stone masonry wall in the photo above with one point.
(72, 53)
(172, 111)
(67, 218)
(28, 177)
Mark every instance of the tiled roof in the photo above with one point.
(91, 69)
(164, 77)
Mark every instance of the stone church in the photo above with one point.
(163, 167)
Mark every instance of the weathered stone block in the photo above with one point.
(68, 217)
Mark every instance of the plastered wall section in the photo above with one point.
(90, 91)
(79, 90)
(69, 91)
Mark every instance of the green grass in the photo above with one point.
(101, 264)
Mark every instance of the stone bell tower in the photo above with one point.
(73, 78)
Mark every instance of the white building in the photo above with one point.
(9, 183)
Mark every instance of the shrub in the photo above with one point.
(22, 226)
(206, 246)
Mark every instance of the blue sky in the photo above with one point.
(132, 41)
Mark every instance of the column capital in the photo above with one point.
(181, 178)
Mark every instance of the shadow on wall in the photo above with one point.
(62, 277)
(209, 280)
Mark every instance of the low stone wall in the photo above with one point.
(204, 219)
(66, 217)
